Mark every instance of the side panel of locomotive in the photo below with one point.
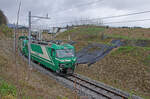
(47, 56)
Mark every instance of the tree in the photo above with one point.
(3, 18)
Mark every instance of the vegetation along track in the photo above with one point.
(86, 86)
(101, 92)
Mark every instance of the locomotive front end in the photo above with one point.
(66, 60)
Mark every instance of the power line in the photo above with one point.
(129, 14)
(121, 21)
(127, 21)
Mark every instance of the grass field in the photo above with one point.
(7, 91)
(91, 33)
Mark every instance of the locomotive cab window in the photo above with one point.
(65, 53)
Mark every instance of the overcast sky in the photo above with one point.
(68, 10)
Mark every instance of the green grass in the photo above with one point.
(146, 48)
(136, 52)
(92, 30)
(82, 34)
(125, 37)
(7, 89)
(95, 32)
(59, 97)
(125, 49)
(6, 31)
(83, 31)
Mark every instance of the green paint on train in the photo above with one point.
(59, 58)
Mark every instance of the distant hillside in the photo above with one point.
(3, 18)
(95, 33)
(19, 26)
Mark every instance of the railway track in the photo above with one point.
(85, 86)
(98, 90)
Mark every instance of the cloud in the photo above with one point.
(78, 9)
(128, 4)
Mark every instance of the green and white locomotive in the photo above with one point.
(57, 57)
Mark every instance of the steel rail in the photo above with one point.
(88, 88)
(96, 86)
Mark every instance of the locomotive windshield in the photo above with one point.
(65, 53)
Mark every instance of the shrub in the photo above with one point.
(6, 31)
(7, 89)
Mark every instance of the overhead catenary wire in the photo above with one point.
(129, 14)
(94, 19)
(97, 20)
(127, 21)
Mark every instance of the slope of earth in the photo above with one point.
(95, 33)
(27, 83)
(127, 67)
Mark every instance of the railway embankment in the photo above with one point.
(126, 67)
(18, 81)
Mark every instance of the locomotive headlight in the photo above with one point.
(61, 65)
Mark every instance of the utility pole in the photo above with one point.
(29, 37)
(14, 38)
(29, 34)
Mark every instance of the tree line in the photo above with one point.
(3, 18)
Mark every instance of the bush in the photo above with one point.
(6, 31)
(7, 89)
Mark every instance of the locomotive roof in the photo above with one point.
(55, 46)
(52, 45)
